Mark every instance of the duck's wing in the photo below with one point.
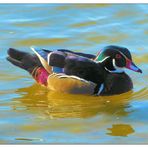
(73, 53)
(90, 56)
(56, 59)
(84, 68)
(51, 60)
(70, 84)
(70, 64)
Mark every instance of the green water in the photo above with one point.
(30, 114)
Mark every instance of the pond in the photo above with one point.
(30, 114)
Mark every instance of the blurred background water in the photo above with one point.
(31, 114)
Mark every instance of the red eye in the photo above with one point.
(118, 56)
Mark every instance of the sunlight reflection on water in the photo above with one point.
(31, 114)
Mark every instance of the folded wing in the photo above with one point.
(70, 84)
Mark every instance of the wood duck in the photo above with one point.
(79, 73)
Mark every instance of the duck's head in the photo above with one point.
(115, 59)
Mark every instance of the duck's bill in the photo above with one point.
(130, 65)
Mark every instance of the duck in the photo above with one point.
(66, 71)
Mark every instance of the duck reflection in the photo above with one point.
(58, 105)
(120, 130)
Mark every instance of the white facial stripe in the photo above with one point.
(117, 51)
(102, 60)
(109, 56)
(117, 69)
(115, 66)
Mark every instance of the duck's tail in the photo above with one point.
(23, 60)
(30, 63)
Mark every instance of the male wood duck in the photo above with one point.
(79, 73)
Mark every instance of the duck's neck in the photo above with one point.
(111, 67)
(115, 71)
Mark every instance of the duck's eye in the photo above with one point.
(118, 56)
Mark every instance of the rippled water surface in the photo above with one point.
(32, 114)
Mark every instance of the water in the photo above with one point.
(30, 114)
